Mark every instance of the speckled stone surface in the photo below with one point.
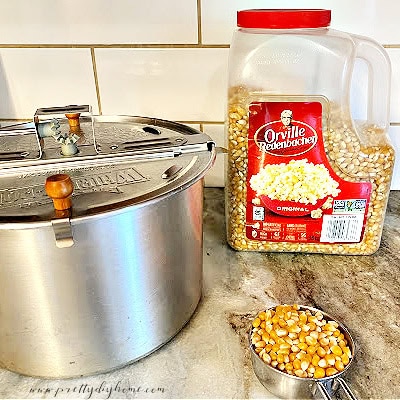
(209, 358)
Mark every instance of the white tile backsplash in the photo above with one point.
(98, 21)
(394, 134)
(377, 19)
(149, 59)
(215, 177)
(177, 84)
(33, 78)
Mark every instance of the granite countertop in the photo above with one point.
(209, 357)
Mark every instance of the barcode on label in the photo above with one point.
(342, 228)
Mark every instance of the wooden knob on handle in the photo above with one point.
(60, 187)
(73, 119)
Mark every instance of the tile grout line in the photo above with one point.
(96, 79)
(119, 45)
(198, 45)
(199, 27)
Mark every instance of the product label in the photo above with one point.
(293, 194)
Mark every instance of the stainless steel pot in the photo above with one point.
(94, 286)
(288, 386)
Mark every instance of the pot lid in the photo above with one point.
(113, 162)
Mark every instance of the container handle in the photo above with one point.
(323, 391)
(379, 76)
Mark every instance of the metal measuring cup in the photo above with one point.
(288, 386)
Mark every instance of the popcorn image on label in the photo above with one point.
(299, 181)
(316, 213)
(328, 203)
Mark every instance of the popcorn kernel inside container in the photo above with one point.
(309, 162)
(300, 342)
(313, 187)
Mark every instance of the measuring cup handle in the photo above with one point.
(346, 388)
(379, 76)
(323, 392)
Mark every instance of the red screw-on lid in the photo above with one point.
(283, 18)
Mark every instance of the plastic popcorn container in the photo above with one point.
(304, 174)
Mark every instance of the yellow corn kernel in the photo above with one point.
(289, 366)
(331, 371)
(304, 365)
(330, 359)
(319, 373)
(268, 327)
(336, 333)
(286, 358)
(293, 331)
(281, 366)
(311, 350)
(295, 349)
(311, 341)
(321, 352)
(275, 348)
(282, 323)
(268, 315)
(301, 355)
(345, 359)
(302, 336)
(315, 360)
(329, 327)
(292, 356)
(280, 358)
(283, 351)
(267, 358)
(261, 315)
(322, 363)
(324, 341)
(300, 373)
(273, 335)
(312, 318)
(275, 319)
(303, 318)
(273, 355)
(314, 334)
(339, 365)
(336, 350)
(347, 351)
(302, 346)
(297, 364)
(288, 340)
(260, 343)
(319, 316)
(265, 337)
(255, 338)
(312, 326)
(256, 322)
